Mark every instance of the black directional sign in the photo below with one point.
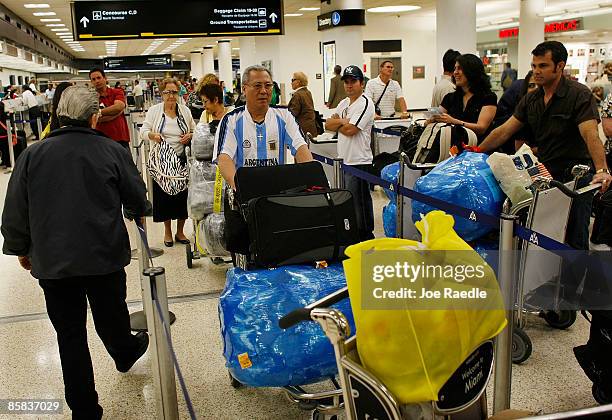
(139, 62)
(95, 20)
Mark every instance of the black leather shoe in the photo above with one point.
(169, 244)
(181, 241)
(143, 344)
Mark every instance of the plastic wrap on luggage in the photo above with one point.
(202, 142)
(390, 220)
(210, 235)
(390, 173)
(465, 180)
(200, 195)
(257, 351)
(512, 172)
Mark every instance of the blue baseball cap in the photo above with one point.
(352, 71)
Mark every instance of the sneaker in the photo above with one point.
(143, 344)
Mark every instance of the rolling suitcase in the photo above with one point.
(253, 182)
(301, 227)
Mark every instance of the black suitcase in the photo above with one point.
(304, 227)
(253, 182)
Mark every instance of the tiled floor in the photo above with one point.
(29, 363)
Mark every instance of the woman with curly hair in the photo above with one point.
(472, 104)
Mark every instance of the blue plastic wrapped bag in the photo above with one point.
(467, 181)
(390, 219)
(390, 173)
(257, 351)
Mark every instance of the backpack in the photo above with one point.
(409, 138)
(438, 138)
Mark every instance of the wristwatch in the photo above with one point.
(602, 170)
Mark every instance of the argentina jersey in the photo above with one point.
(252, 144)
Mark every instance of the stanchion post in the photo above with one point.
(502, 382)
(9, 140)
(147, 148)
(154, 287)
(399, 199)
(39, 126)
(338, 175)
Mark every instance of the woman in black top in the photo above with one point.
(472, 105)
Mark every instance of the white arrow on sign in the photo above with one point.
(273, 17)
(84, 21)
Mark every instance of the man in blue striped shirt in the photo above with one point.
(257, 134)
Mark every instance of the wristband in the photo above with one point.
(603, 170)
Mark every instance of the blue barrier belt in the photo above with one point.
(522, 232)
(24, 121)
(389, 131)
(466, 213)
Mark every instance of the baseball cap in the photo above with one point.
(352, 71)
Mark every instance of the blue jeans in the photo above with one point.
(362, 200)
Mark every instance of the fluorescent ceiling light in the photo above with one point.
(393, 9)
(51, 20)
(44, 13)
(55, 24)
(58, 29)
(551, 13)
(309, 8)
(235, 48)
(293, 14)
(36, 6)
(502, 21)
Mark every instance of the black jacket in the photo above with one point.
(63, 204)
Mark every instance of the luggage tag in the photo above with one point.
(272, 145)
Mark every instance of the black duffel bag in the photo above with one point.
(301, 227)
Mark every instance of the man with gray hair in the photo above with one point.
(62, 218)
(256, 134)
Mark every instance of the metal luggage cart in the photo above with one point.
(547, 213)
(386, 134)
(365, 397)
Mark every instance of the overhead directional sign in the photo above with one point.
(95, 20)
(139, 62)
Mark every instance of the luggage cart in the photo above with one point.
(365, 397)
(548, 213)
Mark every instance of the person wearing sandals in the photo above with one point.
(171, 122)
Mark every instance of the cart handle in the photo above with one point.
(303, 314)
(573, 194)
(417, 166)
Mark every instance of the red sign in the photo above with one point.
(561, 26)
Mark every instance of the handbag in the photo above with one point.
(166, 169)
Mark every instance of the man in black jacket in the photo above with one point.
(62, 218)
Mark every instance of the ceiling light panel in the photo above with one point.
(44, 13)
(309, 9)
(51, 20)
(293, 14)
(36, 6)
(55, 24)
(394, 9)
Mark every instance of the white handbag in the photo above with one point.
(166, 169)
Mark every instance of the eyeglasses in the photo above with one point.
(293, 80)
(170, 92)
(259, 86)
(531, 85)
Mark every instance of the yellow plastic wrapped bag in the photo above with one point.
(413, 344)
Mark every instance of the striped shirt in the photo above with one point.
(251, 144)
(374, 89)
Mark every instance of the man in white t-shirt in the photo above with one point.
(384, 91)
(353, 121)
(138, 96)
(33, 86)
(445, 84)
(50, 92)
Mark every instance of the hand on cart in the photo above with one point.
(604, 179)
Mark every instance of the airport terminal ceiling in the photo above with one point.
(56, 23)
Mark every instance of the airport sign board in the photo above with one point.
(138, 62)
(96, 20)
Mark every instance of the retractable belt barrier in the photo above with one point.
(166, 325)
(526, 234)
